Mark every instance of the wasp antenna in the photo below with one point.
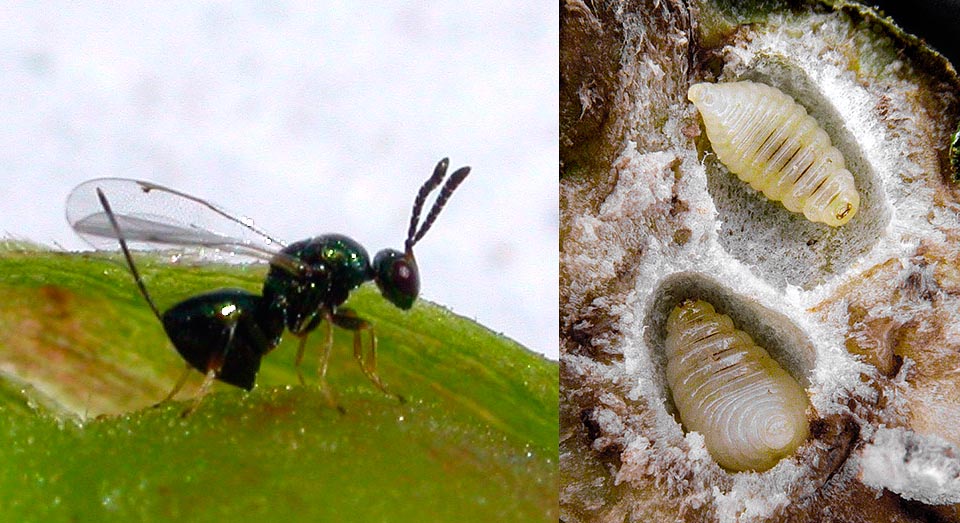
(428, 186)
(126, 253)
(442, 198)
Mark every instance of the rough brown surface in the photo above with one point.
(866, 317)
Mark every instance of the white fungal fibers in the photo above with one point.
(750, 411)
(769, 141)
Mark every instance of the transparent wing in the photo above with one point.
(151, 216)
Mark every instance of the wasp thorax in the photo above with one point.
(397, 277)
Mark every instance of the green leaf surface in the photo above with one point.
(82, 360)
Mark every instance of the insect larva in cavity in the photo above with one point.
(750, 411)
(769, 141)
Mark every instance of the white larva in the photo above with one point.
(769, 141)
(750, 411)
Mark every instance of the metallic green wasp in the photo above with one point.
(225, 333)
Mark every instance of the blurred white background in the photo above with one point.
(309, 117)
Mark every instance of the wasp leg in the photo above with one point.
(349, 320)
(296, 363)
(322, 372)
(325, 355)
(213, 368)
(324, 360)
(201, 392)
(176, 387)
(303, 333)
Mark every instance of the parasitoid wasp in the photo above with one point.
(226, 332)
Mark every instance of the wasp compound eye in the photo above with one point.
(397, 277)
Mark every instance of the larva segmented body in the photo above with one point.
(750, 411)
(769, 141)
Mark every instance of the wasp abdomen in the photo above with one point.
(769, 141)
(228, 331)
(750, 411)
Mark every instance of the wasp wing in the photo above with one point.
(151, 216)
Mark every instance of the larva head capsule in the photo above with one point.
(703, 95)
(841, 209)
(835, 202)
(708, 97)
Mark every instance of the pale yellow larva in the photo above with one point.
(750, 411)
(769, 141)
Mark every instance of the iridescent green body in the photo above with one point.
(333, 265)
(225, 333)
(232, 327)
(237, 328)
